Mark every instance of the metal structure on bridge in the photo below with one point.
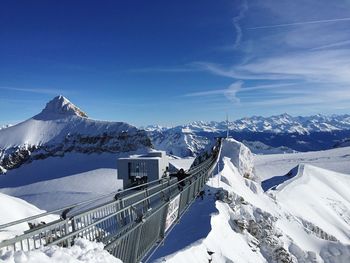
(130, 224)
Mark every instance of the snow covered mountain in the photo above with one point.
(179, 141)
(275, 134)
(283, 123)
(60, 128)
(306, 219)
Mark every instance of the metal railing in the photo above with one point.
(129, 225)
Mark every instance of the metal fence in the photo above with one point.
(129, 225)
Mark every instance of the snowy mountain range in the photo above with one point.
(60, 128)
(261, 134)
(283, 123)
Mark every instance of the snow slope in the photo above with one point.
(261, 148)
(184, 163)
(327, 207)
(59, 181)
(267, 166)
(12, 209)
(248, 225)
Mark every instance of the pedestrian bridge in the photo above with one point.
(130, 223)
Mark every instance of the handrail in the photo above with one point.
(30, 218)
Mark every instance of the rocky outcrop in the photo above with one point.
(262, 234)
(107, 142)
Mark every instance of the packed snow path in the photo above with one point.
(129, 225)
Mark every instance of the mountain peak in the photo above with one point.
(61, 106)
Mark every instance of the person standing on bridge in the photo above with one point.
(181, 175)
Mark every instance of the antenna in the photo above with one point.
(227, 126)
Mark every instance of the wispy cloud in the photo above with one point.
(241, 89)
(345, 19)
(236, 73)
(35, 90)
(184, 68)
(298, 68)
(206, 93)
(236, 20)
(331, 66)
(230, 93)
(332, 45)
(305, 99)
(304, 78)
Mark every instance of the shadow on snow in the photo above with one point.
(193, 226)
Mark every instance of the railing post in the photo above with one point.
(137, 245)
(120, 216)
(69, 240)
(147, 201)
(162, 227)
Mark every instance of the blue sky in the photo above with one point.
(172, 62)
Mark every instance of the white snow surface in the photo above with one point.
(306, 219)
(324, 197)
(56, 182)
(184, 163)
(12, 209)
(82, 251)
(267, 166)
(240, 156)
(258, 147)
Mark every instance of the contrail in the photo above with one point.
(303, 23)
(336, 44)
(236, 25)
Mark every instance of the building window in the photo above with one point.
(137, 169)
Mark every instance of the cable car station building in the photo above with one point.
(140, 169)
